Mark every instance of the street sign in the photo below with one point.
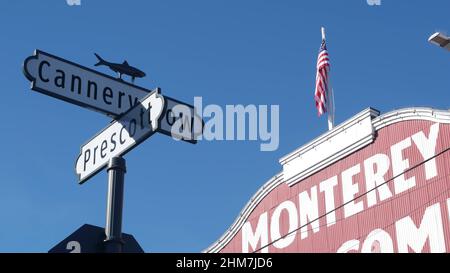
(71, 82)
(90, 239)
(137, 112)
(120, 136)
(180, 121)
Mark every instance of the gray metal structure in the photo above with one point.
(113, 229)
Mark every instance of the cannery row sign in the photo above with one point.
(391, 195)
(63, 79)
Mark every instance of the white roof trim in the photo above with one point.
(348, 137)
(440, 116)
(336, 130)
(418, 113)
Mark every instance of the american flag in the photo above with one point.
(323, 69)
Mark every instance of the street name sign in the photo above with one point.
(71, 82)
(180, 121)
(120, 136)
(90, 239)
(137, 114)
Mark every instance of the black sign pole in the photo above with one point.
(113, 230)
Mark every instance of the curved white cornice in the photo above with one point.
(377, 122)
(418, 113)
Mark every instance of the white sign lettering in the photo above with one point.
(120, 136)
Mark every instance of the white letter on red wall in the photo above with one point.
(309, 211)
(376, 178)
(259, 236)
(349, 190)
(399, 165)
(290, 208)
(427, 147)
(430, 228)
(327, 187)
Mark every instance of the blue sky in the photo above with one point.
(181, 197)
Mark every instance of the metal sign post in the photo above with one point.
(113, 229)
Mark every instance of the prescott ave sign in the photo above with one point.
(154, 113)
(120, 136)
(80, 85)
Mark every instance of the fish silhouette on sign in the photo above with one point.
(121, 69)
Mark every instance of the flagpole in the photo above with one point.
(330, 96)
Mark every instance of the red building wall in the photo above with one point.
(406, 214)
